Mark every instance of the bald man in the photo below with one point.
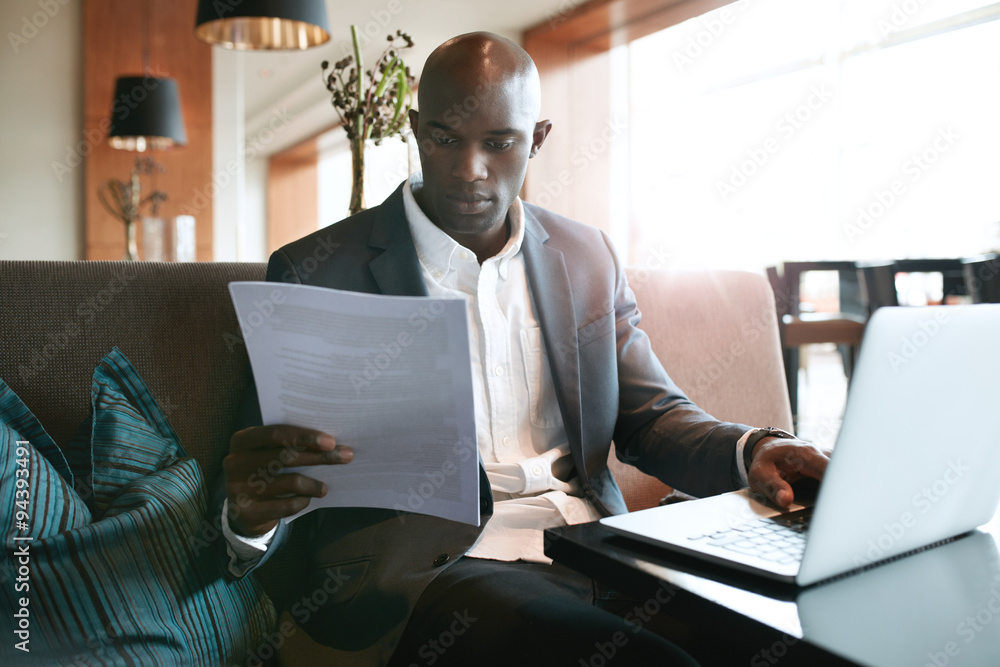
(560, 370)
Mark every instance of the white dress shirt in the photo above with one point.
(519, 426)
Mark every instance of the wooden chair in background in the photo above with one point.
(799, 328)
(982, 278)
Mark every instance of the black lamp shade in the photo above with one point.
(263, 24)
(146, 114)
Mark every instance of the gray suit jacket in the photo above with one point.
(372, 564)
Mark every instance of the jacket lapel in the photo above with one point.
(396, 270)
(553, 296)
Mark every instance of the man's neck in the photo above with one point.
(485, 246)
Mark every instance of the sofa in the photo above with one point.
(715, 331)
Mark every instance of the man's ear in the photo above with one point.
(414, 117)
(542, 129)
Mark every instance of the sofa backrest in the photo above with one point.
(174, 321)
(716, 333)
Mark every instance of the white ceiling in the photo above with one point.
(270, 77)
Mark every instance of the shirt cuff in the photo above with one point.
(741, 467)
(244, 552)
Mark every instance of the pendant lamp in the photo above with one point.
(263, 24)
(146, 110)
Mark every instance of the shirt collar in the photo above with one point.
(436, 250)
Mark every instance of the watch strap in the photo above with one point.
(759, 434)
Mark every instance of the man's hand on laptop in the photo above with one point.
(259, 491)
(778, 463)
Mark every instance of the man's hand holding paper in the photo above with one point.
(259, 490)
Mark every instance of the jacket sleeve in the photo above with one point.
(279, 269)
(659, 430)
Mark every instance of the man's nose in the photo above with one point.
(470, 165)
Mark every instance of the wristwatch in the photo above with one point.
(759, 434)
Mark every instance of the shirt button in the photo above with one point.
(498, 370)
(506, 440)
(440, 560)
(536, 470)
(438, 275)
(484, 505)
(463, 255)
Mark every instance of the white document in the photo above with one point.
(389, 376)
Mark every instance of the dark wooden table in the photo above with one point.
(940, 606)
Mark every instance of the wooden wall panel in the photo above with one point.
(112, 44)
(292, 194)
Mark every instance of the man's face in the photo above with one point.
(475, 141)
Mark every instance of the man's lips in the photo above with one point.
(469, 203)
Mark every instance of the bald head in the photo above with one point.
(477, 62)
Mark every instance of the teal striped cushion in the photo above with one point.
(129, 436)
(43, 502)
(133, 585)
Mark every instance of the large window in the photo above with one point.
(774, 130)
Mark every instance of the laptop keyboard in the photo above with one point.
(780, 539)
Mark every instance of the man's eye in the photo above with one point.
(442, 141)
(500, 145)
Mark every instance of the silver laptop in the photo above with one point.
(916, 462)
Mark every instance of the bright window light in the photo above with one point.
(832, 129)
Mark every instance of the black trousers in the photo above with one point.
(484, 612)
